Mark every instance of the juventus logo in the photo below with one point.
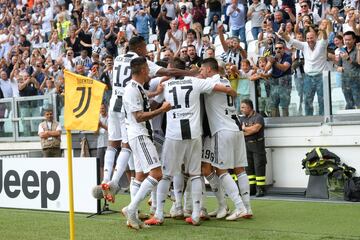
(81, 103)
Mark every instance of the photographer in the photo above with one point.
(280, 81)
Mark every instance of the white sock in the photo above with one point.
(134, 187)
(154, 198)
(203, 193)
(187, 196)
(146, 186)
(178, 183)
(121, 164)
(243, 183)
(214, 182)
(109, 159)
(162, 190)
(232, 190)
(196, 193)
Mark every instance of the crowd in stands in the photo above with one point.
(39, 39)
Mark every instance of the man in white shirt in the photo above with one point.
(139, 130)
(5, 85)
(236, 12)
(315, 56)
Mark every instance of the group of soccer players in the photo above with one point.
(189, 149)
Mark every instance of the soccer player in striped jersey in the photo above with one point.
(226, 131)
(183, 138)
(139, 130)
(116, 126)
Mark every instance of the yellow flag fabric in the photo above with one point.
(83, 97)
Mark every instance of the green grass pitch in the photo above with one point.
(273, 219)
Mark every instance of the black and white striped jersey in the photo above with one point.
(183, 120)
(220, 108)
(135, 99)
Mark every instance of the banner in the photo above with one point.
(83, 97)
(42, 184)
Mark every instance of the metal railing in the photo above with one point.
(20, 117)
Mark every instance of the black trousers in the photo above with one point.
(256, 157)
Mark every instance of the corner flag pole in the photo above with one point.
(71, 191)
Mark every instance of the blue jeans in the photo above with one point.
(226, 20)
(351, 90)
(312, 85)
(145, 36)
(255, 32)
(152, 24)
(239, 33)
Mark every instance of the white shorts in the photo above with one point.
(229, 149)
(208, 150)
(144, 153)
(117, 127)
(159, 139)
(178, 152)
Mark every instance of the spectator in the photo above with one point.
(184, 19)
(215, 23)
(256, 13)
(84, 60)
(170, 9)
(236, 12)
(102, 137)
(85, 37)
(62, 26)
(315, 56)
(280, 81)
(142, 21)
(5, 85)
(127, 30)
(155, 8)
(198, 13)
(350, 69)
(253, 127)
(193, 61)
(173, 37)
(50, 135)
(28, 86)
(55, 46)
(214, 9)
(190, 39)
(164, 24)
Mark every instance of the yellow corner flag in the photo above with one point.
(83, 98)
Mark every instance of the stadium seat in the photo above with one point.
(207, 30)
(150, 47)
(226, 27)
(152, 38)
(249, 36)
(217, 39)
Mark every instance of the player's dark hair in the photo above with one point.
(248, 102)
(211, 62)
(135, 42)
(163, 63)
(178, 63)
(137, 64)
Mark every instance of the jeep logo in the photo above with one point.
(31, 184)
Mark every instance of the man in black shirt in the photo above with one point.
(253, 128)
(155, 8)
